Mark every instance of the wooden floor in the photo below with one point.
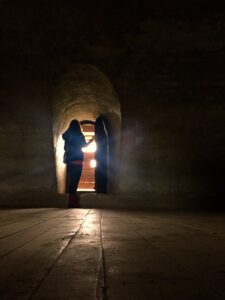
(106, 254)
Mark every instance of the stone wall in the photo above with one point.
(166, 62)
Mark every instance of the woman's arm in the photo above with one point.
(84, 143)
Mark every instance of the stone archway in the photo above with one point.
(85, 93)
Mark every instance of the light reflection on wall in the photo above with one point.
(60, 166)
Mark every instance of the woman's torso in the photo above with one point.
(73, 148)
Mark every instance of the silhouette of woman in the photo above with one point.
(73, 158)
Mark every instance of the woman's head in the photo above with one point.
(75, 126)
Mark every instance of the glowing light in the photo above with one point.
(60, 166)
(88, 133)
(91, 148)
(93, 163)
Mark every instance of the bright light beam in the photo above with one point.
(93, 163)
(91, 148)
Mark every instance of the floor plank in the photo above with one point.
(111, 254)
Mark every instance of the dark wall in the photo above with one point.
(26, 148)
(166, 62)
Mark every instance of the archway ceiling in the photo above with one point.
(84, 93)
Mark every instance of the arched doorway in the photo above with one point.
(86, 93)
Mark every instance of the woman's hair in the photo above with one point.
(75, 126)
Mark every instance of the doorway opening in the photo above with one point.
(94, 177)
(87, 180)
(85, 93)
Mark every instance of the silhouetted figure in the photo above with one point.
(73, 157)
(101, 139)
